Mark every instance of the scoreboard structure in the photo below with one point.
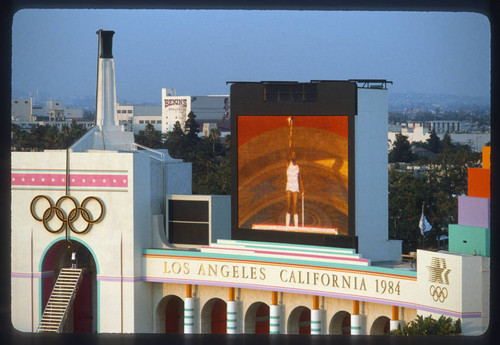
(293, 162)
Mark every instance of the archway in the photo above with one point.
(214, 317)
(381, 326)
(83, 315)
(170, 315)
(340, 323)
(257, 319)
(299, 321)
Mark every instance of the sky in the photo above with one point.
(54, 51)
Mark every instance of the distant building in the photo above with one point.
(140, 122)
(420, 132)
(73, 113)
(476, 141)
(415, 132)
(52, 113)
(208, 109)
(442, 127)
(21, 109)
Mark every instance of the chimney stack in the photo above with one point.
(106, 44)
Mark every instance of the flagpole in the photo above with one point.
(422, 230)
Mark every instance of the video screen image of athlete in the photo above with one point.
(293, 173)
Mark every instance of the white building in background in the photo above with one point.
(73, 113)
(139, 123)
(21, 109)
(415, 133)
(144, 115)
(476, 141)
(418, 132)
(208, 109)
(44, 110)
(441, 127)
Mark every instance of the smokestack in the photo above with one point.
(106, 44)
(106, 90)
(107, 134)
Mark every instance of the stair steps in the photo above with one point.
(61, 300)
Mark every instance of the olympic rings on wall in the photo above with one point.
(438, 293)
(71, 217)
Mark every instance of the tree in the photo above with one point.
(40, 137)
(430, 326)
(446, 143)
(401, 151)
(433, 143)
(149, 137)
(174, 141)
(407, 193)
(214, 138)
(191, 129)
(445, 179)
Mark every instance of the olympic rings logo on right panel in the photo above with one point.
(438, 274)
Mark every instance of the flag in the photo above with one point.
(424, 224)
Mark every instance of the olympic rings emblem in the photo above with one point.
(73, 215)
(438, 293)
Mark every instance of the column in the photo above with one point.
(232, 317)
(395, 321)
(274, 315)
(355, 319)
(315, 316)
(189, 310)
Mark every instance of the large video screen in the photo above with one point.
(292, 173)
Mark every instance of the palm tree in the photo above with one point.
(214, 137)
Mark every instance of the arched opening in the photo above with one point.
(257, 319)
(381, 326)
(214, 317)
(82, 317)
(299, 321)
(340, 323)
(170, 315)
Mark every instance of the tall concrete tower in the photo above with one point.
(106, 86)
(107, 134)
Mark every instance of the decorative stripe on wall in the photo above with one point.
(80, 180)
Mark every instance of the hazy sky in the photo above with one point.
(197, 51)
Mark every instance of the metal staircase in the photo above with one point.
(61, 300)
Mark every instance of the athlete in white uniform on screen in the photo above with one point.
(294, 183)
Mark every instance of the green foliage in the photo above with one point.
(433, 144)
(430, 326)
(444, 179)
(407, 192)
(401, 151)
(40, 138)
(149, 137)
(209, 156)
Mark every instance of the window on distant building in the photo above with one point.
(129, 111)
(141, 122)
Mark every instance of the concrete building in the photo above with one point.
(107, 238)
(419, 132)
(476, 141)
(414, 133)
(22, 109)
(442, 127)
(208, 109)
(140, 122)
